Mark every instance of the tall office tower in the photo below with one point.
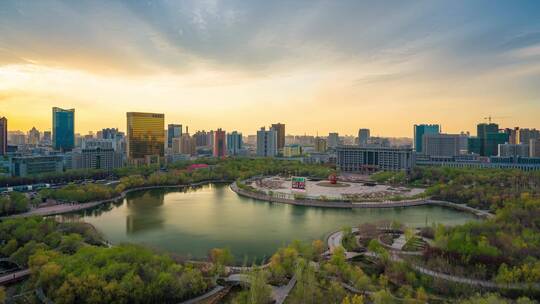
(320, 144)
(234, 143)
(534, 147)
(173, 131)
(333, 140)
(280, 131)
(267, 142)
(63, 129)
(419, 131)
(525, 135)
(363, 137)
(487, 140)
(33, 136)
(145, 137)
(441, 144)
(220, 143)
(3, 136)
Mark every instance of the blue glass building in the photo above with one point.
(420, 130)
(173, 131)
(63, 129)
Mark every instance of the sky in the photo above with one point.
(317, 66)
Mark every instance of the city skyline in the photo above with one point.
(342, 65)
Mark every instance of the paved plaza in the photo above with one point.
(318, 188)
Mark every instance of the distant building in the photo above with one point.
(280, 131)
(234, 143)
(513, 135)
(201, 138)
(36, 165)
(96, 158)
(320, 144)
(480, 162)
(220, 143)
(94, 143)
(525, 135)
(267, 143)
(145, 137)
(513, 150)
(534, 147)
(487, 140)
(46, 139)
(373, 159)
(441, 144)
(292, 150)
(109, 133)
(3, 136)
(419, 131)
(173, 131)
(333, 140)
(363, 137)
(33, 137)
(63, 129)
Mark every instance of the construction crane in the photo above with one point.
(489, 118)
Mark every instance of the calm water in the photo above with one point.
(193, 221)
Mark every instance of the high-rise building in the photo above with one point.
(145, 137)
(525, 135)
(534, 147)
(234, 143)
(320, 144)
(280, 131)
(488, 139)
(333, 140)
(33, 136)
(419, 131)
(220, 143)
(201, 138)
(441, 144)
(513, 135)
(267, 143)
(3, 136)
(363, 137)
(63, 129)
(173, 131)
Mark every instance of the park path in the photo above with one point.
(333, 242)
(14, 276)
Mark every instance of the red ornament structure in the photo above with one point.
(332, 179)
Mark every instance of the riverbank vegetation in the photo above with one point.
(478, 188)
(71, 263)
(180, 174)
(13, 203)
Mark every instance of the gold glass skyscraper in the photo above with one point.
(145, 136)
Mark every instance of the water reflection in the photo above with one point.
(191, 221)
(145, 212)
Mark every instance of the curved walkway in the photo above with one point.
(335, 238)
(349, 205)
(67, 208)
(14, 277)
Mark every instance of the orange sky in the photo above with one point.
(318, 68)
